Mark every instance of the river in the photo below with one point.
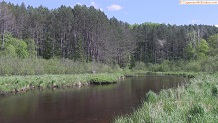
(91, 104)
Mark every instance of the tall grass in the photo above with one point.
(18, 83)
(195, 102)
(32, 66)
(209, 64)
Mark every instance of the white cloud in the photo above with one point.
(114, 7)
(78, 4)
(94, 4)
(194, 21)
(216, 25)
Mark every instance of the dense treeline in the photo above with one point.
(159, 42)
(86, 34)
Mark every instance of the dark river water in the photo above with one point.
(93, 104)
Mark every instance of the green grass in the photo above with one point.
(103, 79)
(10, 83)
(196, 102)
(31, 66)
(184, 74)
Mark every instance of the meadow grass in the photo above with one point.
(195, 102)
(180, 73)
(18, 83)
(31, 66)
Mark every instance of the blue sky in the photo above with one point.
(139, 11)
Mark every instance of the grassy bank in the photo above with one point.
(195, 102)
(23, 83)
(39, 66)
(208, 64)
(184, 74)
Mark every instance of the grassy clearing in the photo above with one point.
(19, 83)
(102, 79)
(208, 64)
(30, 66)
(195, 102)
(184, 74)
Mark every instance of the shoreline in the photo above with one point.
(194, 102)
(18, 84)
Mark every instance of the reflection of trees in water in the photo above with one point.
(83, 104)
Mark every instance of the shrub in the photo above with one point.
(193, 66)
(196, 109)
(33, 66)
(140, 66)
(151, 97)
(214, 90)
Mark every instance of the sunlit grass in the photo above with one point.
(12, 83)
(195, 102)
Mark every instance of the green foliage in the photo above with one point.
(166, 66)
(196, 109)
(105, 78)
(33, 66)
(15, 47)
(151, 97)
(208, 64)
(169, 107)
(213, 44)
(214, 90)
(21, 50)
(192, 66)
(163, 67)
(199, 51)
(190, 51)
(140, 66)
(213, 41)
(202, 48)
(31, 48)
(79, 51)
(193, 102)
(9, 83)
(86, 34)
(10, 51)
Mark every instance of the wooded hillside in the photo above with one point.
(86, 34)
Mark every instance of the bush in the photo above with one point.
(214, 90)
(140, 66)
(151, 97)
(196, 109)
(192, 66)
(210, 64)
(33, 66)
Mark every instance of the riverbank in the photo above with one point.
(181, 73)
(195, 102)
(184, 74)
(14, 84)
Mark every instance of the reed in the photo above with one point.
(194, 102)
(23, 83)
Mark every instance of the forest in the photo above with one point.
(77, 46)
(85, 34)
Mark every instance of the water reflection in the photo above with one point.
(81, 105)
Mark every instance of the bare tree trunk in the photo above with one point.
(3, 34)
(62, 48)
(37, 42)
(198, 35)
(53, 48)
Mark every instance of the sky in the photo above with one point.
(140, 11)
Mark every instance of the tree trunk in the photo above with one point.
(3, 35)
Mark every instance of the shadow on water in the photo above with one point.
(97, 104)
